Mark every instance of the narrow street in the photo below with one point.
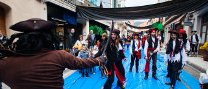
(47, 44)
(133, 80)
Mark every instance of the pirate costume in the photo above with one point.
(186, 45)
(151, 45)
(135, 50)
(114, 64)
(114, 55)
(174, 53)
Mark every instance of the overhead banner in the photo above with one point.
(168, 8)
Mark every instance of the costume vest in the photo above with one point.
(150, 42)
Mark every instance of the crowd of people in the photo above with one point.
(36, 62)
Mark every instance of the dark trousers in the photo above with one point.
(110, 80)
(85, 72)
(174, 67)
(120, 66)
(110, 68)
(180, 67)
(134, 58)
(154, 66)
(194, 47)
(168, 69)
(92, 70)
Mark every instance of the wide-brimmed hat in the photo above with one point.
(173, 32)
(34, 24)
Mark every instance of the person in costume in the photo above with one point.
(135, 50)
(35, 63)
(174, 53)
(186, 44)
(144, 38)
(114, 53)
(151, 48)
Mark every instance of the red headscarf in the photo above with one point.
(182, 31)
(153, 30)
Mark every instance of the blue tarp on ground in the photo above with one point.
(133, 80)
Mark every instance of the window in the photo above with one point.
(207, 37)
(204, 29)
(203, 38)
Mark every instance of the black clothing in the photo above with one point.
(3, 40)
(115, 57)
(196, 37)
(194, 47)
(150, 41)
(170, 47)
(134, 58)
(174, 67)
(70, 40)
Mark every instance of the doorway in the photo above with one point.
(2, 21)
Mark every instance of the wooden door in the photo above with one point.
(2, 21)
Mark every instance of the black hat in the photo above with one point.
(34, 24)
(116, 31)
(173, 32)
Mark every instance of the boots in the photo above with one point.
(146, 76)
(154, 75)
(130, 70)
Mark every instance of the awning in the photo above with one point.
(103, 22)
(169, 8)
(175, 20)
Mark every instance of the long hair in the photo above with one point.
(33, 42)
(184, 39)
(170, 46)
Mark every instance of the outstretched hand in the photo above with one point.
(103, 61)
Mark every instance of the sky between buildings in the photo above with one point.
(131, 3)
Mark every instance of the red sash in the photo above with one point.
(139, 51)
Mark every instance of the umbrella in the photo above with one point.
(34, 24)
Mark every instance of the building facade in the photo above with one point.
(200, 23)
(12, 11)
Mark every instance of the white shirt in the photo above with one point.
(187, 46)
(1, 38)
(136, 45)
(147, 44)
(120, 47)
(194, 41)
(177, 56)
